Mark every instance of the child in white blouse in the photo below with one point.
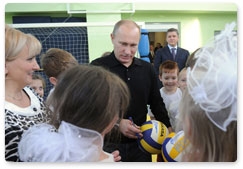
(171, 94)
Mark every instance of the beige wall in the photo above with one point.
(160, 37)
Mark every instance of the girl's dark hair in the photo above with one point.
(89, 97)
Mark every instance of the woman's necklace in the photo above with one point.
(18, 97)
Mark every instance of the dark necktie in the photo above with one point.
(173, 52)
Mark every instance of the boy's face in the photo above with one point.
(169, 79)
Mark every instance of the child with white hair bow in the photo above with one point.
(208, 108)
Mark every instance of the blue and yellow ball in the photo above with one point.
(173, 146)
(154, 133)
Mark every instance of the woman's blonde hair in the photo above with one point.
(16, 40)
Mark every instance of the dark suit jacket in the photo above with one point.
(164, 54)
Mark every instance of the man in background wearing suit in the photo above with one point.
(170, 52)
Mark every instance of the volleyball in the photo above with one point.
(173, 146)
(154, 133)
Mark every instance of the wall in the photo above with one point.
(99, 37)
(198, 21)
(196, 28)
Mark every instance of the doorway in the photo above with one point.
(157, 31)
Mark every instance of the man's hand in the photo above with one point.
(129, 129)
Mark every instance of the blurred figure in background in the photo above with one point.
(38, 84)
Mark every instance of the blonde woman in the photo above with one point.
(23, 108)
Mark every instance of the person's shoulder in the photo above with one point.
(164, 95)
(166, 48)
(178, 91)
(183, 49)
(162, 90)
(97, 60)
(101, 60)
(140, 62)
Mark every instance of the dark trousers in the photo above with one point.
(129, 152)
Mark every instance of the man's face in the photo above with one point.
(172, 38)
(125, 43)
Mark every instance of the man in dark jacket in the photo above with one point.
(166, 53)
(142, 82)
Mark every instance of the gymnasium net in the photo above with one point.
(71, 39)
